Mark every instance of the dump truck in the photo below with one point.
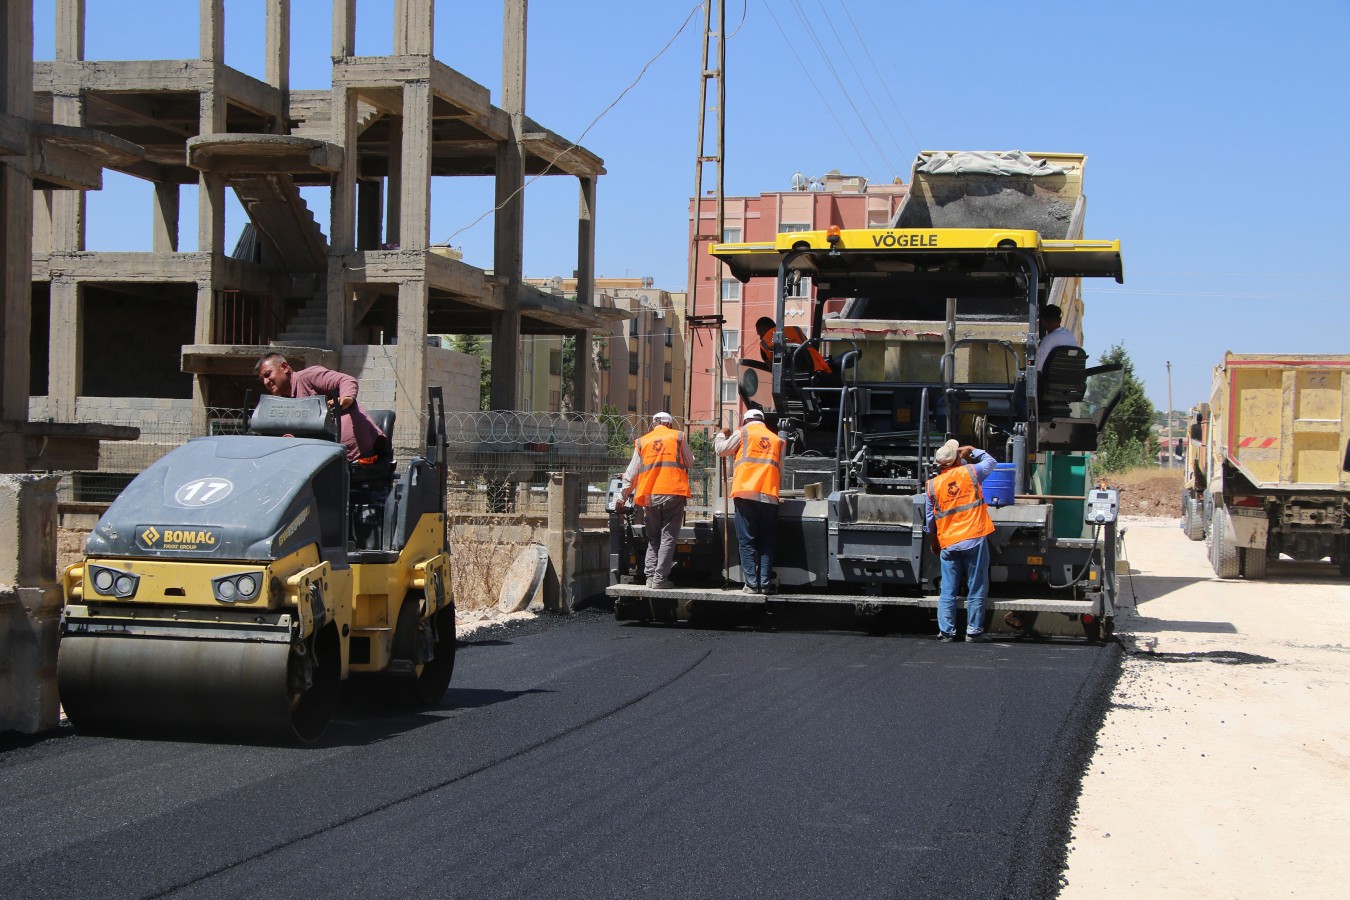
(1268, 463)
(235, 583)
(930, 327)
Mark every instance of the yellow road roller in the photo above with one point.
(238, 581)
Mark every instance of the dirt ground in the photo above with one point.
(1223, 766)
(1148, 492)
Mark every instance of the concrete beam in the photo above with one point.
(165, 224)
(410, 363)
(130, 268)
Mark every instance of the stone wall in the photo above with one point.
(30, 603)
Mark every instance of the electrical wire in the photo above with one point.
(881, 117)
(883, 81)
(825, 57)
(574, 144)
(826, 105)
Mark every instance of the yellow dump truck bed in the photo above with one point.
(1281, 419)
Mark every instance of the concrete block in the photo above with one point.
(28, 530)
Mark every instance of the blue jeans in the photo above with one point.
(968, 568)
(757, 534)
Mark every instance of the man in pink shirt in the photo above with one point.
(361, 436)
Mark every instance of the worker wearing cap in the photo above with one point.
(657, 479)
(755, 480)
(959, 522)
(1053, 335)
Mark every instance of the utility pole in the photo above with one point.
(713, 69)
(1170, 451)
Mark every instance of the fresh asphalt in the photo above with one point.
(588, 758)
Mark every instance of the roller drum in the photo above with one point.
(192, 686)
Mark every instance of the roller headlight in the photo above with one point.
(113, 582)
(241, 588)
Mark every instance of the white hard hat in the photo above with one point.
(752, 415)
(663, 417)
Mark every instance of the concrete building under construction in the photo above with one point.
(127, 337)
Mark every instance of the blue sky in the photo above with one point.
(1215, 135)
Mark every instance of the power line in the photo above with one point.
(885, 122)
(825, 57)
(574, 144)
(885, 85)
(824, 102)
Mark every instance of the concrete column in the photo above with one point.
(564, 515)
(583, 401)
(344, 28)
(68, 207)
(69, 30)
(342, 217)
(509, 233)
(211, 30)
(278, 53)
(410, 363)
(165, 225)
(42, 223)
(16, 231)
(394, 181)
(415, 209)
(30, 603)
(65, 349)
(211, 188)
(414, 22)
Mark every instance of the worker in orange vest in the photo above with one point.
(766, 329)
(755, 482)
(657, 479)
(959, 522)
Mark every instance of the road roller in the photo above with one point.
(237, 582)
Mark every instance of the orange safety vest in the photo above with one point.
(958, 506)
(759, 463)
(663, 470)
(793, 335)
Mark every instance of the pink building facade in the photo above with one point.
(846, 201)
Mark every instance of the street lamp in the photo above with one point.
(1171, 451)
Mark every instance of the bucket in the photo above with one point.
(1000, 488)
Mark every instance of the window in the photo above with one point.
(668, 338)
(633, 326)
(729, 391)
(731, 342)
(731, 289)
(632, 399)
(555, 362)
(669, 373)
(731, 235)
(665, 401)
(554, 401)
(632, 363)
(802, 288)
(795, 226)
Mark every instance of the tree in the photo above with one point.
(600, 363)
(1127, 435)
(472, 344)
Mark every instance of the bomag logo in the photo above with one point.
(154, 538)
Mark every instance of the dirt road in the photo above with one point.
(1223, 767)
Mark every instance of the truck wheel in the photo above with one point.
(1223, 555)
(1192, 521)
(1253, 562)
